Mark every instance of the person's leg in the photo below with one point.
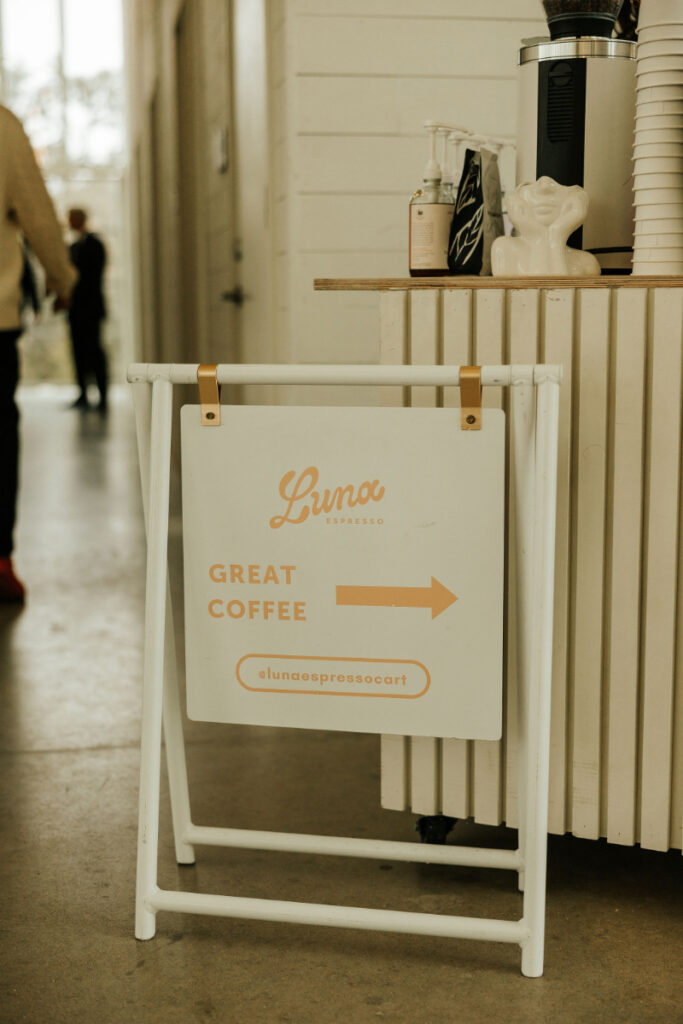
(10, 587)
(79, 349)
(99, 364)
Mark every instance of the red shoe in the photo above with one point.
(11, 589)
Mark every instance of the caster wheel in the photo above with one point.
(434, 828)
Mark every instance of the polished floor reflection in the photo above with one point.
(69, 727)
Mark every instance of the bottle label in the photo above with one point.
(430, 225)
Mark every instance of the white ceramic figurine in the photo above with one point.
(544, 215)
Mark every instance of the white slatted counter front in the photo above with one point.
(617, 715)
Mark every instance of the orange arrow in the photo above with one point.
(437, 597)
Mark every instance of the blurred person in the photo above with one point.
(24, 206)
(87, 310)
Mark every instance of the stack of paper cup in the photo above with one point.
(658, 140)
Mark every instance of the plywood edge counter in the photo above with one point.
(383, 284)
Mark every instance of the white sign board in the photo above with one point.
(344, 569)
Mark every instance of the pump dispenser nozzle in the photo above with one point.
(432, 171)
(446, 166)
(455, 138)
(446, 191)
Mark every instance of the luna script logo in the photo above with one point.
(304, 500)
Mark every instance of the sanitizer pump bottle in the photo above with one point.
(429, 220)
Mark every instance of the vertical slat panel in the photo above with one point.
(676, 829)
(589, 517)
(394, 340)
(559, 308)
(457, 351)
(457, 336)
(623, 568)
(522, 347)
(425, 348)
(489, 328)
(394, 766)
(676, 832)
(425, 340)
(663, 486)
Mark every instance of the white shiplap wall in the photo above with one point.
(357, 81)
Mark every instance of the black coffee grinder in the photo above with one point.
(576, 120)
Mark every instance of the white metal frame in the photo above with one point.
(533, 463)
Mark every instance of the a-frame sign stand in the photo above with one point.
(532, 455)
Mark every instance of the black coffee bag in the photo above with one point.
(478, 216)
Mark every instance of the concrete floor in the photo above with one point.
(70, 687)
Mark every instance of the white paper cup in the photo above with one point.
(645, 105)
(652, 33)
(658, 94)
(648, 204)
(658, 202)
(658, 241)
(668, 163)
(661, 225)
(659, 48)
(669, 121)
(658, 165)
(660, 146)
(659, 122)
(654, 268)
(663, 62)
(658, 136)
(674, 265)
(647, 228)
(664, 137)
(658, 78)
(660, 216)
(658, 108)
(657, 255)
(662, 180)
(656, 218)
(663, 151)
(657, 269)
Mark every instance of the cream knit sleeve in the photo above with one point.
(29, 198)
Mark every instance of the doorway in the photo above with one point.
(193, 340)
(211, 288)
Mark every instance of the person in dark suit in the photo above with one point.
(87, 310)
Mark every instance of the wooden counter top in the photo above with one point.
(383, 284)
